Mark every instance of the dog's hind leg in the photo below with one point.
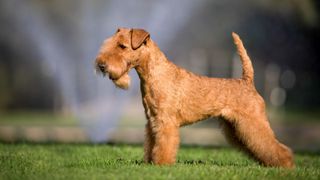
(255, 137)
(230, 134)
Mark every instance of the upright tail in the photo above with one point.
(247, 69)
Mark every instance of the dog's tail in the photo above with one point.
(247, 69)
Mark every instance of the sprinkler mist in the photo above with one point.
(68, 41)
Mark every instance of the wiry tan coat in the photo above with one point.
(174, 97)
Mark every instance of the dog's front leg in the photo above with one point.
(148, 143)
(166, 142)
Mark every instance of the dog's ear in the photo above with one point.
(138, 37)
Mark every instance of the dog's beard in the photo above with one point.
(119, 76)
(123, 82)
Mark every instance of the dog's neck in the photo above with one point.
(151, 64)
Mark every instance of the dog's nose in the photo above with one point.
(102, 67)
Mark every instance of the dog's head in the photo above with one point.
(121, 52)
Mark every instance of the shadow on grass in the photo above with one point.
(182, 162)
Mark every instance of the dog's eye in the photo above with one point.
(122, 46)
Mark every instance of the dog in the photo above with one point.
(174, 97)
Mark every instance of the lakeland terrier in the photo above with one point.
(174, 97)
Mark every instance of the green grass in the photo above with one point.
(85, 161)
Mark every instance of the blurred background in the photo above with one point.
(49, 92)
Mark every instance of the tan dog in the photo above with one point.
(174, 97)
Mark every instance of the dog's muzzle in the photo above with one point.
(103, 69)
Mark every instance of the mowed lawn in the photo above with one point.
(87, 161)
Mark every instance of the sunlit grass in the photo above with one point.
(86, 161)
